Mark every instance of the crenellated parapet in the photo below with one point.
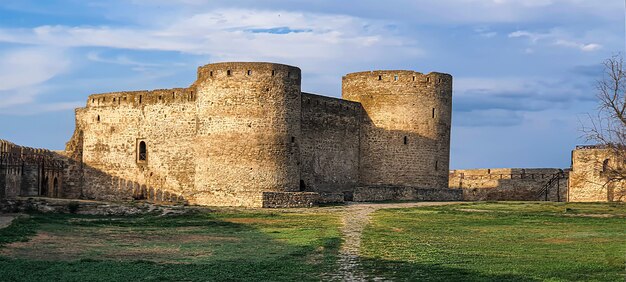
(404, 81)
(142, 98)
(241, 72)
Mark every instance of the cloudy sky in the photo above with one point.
(524, 70)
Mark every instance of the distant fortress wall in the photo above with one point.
(26, 171)
(511, 184)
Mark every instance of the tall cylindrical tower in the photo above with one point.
(405, 134)
(248, 131)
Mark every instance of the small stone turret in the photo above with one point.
(405, 133)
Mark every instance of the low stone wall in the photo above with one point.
(372, 194)
(498, 194)
(326, 198)
(52, 205)
(290, 199)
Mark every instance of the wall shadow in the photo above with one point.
(256, 255)
(210, 247)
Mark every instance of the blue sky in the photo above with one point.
(524, 70)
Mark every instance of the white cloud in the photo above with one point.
(590, 47)
(119, 60)
(30, 66)
(441, 11)
(555, 37)
(235, 34)
(23, 72)
(532, 36)
(583, 47)
(39, 108)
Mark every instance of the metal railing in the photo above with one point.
(545, 190)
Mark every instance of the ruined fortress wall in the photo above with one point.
(588, 179)
(248, 132)
(508, 184)
(10, 170)
(329, 152)
(28, 171)
(111, 128)
(405, 134)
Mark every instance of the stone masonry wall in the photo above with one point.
(248, 132)
(109, 131)
(405, 134)
(588, 180)
(329, 152)
(289, 199)
(508, 184)
(243, 130)
(10, 181)
(28, 171)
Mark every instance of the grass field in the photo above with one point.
(245, 246)
(466, 242)
(498, 241)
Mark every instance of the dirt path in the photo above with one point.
(354, 219)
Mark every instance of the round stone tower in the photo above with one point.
(248, 129)
(405, 132)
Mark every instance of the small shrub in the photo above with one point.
(73, 206)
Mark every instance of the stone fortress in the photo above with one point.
(244, 134)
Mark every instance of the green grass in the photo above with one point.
(465, 242)
(498, 242)
(229, 245)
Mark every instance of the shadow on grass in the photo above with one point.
(407, 271)
(262, 252)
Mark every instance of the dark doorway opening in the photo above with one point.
(55, 188)
(44, 187)
(302, 185)
(348, 196)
